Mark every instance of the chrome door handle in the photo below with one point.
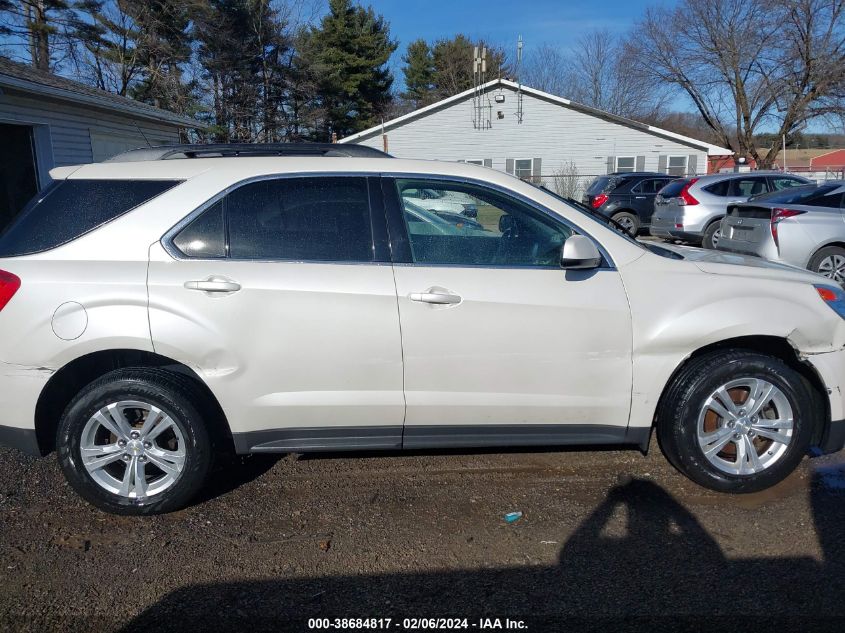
(437, 298)
(213, 285)
(639, 197)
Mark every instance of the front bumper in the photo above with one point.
(830, 367)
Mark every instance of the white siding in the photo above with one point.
(70, 127)
(554, 133)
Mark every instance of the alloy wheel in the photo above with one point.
(833, 267)
(745, 426)
(133, 449)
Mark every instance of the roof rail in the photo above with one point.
(217, 150)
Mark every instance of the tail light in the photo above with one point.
(778, 215)
(9, 285)
(686, 198)
(599, 200)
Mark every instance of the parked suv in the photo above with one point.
(156, 313)
(627, 197)
(802, 226)
(692, 209)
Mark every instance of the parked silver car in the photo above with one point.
(692, 209)
(804, 227)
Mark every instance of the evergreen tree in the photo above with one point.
(37, 24)
(349, 50)
(240, 53)
(419, 73)
(453, 64)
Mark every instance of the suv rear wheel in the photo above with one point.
(629, 221)
(712, 234)
(134, 442)
(737, 421)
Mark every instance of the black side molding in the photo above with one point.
(352, 438)
(22, 439)
(332, 438)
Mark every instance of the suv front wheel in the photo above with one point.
(737, 421)
(134, 442)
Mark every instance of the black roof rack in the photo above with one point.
(217, 150)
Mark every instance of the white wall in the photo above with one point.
(554, 133)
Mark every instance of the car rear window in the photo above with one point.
(68, 209)
(598, 185)
(673, 189)
(796, 195)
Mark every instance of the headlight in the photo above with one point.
(832, 296)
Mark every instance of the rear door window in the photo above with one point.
(747, 187)
(69, 209)
(321, 219)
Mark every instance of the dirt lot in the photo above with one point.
(609, 541)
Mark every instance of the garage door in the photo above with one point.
(105, 145)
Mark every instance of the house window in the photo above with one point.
(677, 166)
(523, 168)
(626, 163)
(475, 161)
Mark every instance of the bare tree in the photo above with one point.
(546, 68)
(596, 73)
(748, 64)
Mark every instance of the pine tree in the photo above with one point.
(241, 48)
(37, 24)
(453, 64)
(419, 73)
(350, 50)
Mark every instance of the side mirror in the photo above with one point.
(579, 253)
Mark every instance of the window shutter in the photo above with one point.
(536, 169)
(692, 165)
(488, 162)
(640, 163)
(509, 165)
(611, 164)
(661, 163)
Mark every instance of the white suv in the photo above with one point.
(156, 312)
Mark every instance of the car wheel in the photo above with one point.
(737, 421)
(134, 442)
(830, 262)
(628, 221)
(712, 234)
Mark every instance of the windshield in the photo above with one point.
(796, 195)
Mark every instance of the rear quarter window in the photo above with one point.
(68, 209)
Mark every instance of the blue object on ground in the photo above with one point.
(513, 517)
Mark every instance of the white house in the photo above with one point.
(535, 135)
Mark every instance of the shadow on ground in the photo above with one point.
(658, 570)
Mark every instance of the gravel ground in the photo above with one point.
(609, 540)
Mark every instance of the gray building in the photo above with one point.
(48, 121)
(536, 135)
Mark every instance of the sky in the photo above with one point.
(557, 22)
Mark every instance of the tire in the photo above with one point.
(176, 439)
(685, 415)
(830, 262)
(629, 221)
(711, 236)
